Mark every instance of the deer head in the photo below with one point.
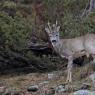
(53, 32)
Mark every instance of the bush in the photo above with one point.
(68, 13)
(18, 21)
(9, 4)
(14, 35)
(15, 31)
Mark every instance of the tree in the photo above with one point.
(90, 7)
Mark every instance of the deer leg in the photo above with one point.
(93, 59)
(69, 69)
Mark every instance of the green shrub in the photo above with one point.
(68, 13)
(15, 30)
(9, 4)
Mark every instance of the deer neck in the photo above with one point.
(56, 46)
(61, 48)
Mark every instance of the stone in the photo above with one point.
(92, 76)
(33, 88)
(86, 86)
(83, 92)
(43, 83)
(2, 89)
(60, 88)
(50, 76)
(53, 76)
(93, 92)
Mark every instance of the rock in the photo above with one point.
(52, 76)
(93, 92)
(83, 92)
(43, 83)
(86, 86)
(33, 88)
(60, 88)
(92, 76)
(2, 89)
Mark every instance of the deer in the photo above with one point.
(70, 48)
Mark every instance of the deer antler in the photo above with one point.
(56, 27)
(56, 22)
(49, 26)
(52, 28)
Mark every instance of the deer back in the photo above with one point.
(70, 47)
(89, 43)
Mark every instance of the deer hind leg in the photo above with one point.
(69, 69)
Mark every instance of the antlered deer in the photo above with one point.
(71, 48)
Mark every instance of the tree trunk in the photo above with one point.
(90, 7)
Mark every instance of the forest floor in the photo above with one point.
(21, 82)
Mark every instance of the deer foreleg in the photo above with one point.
(93, 59)
(69, 69)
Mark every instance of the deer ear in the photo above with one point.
(58, 28)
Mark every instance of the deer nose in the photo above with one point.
(53, 40)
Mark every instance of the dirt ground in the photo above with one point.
(22, 81)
